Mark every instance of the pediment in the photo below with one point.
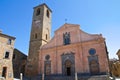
(76, 36)
(67, 26)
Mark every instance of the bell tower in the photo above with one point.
(40, 35)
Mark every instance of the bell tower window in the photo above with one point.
(48, 14)
(38, 12)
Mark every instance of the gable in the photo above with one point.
(76, 36)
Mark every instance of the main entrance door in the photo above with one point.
(68, 65)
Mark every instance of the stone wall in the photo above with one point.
(6, 54)
(19, 61)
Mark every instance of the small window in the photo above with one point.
(4, 72)
(48, 14)
(9, 41)
(38, 12)
(36, 36)
(46, 36)
(7, 55)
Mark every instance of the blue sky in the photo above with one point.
(94, 17)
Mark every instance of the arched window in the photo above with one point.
(48, 14)
(38, 12)
(66, 38)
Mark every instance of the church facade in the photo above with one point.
(70, 51)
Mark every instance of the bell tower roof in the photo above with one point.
(43, 5)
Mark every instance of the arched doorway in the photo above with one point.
(68, 66)
(94, 67)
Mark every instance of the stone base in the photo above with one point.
(93, 77)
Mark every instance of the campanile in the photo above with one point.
(40, 35)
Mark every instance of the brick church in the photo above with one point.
(70, 51)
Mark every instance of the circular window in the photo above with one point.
(47, 57)
(92, 51)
